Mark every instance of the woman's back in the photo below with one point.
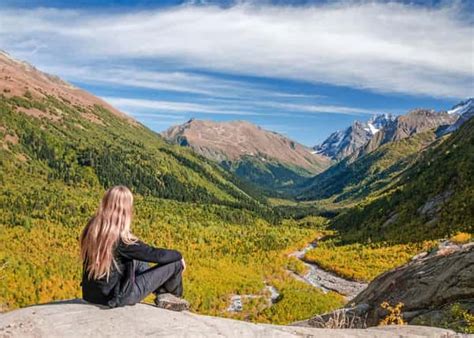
(122, 274)
(110, 253)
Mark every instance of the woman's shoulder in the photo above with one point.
(121, 244)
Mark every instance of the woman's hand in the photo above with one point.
(183, 263)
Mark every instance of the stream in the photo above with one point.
(316, 277)
(236, 300)
(325, 280)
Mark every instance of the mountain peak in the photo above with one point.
(19, 77)
(343, 143)
(245, 147)
(462, 107)
(231, 140)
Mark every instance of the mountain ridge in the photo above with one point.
(362, 137)
(432, 197)
(344, 142)
(20, 77)
(261, 156)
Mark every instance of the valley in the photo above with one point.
(246, 224)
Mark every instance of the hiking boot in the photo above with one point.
(170, 302)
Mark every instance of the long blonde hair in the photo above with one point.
(101, 234)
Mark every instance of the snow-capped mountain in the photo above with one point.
(462, 107)
(364, 137)
(343, 143)
(465, 110)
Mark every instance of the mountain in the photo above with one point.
(465, 110)
(431, 199)
(416, 121)
(464, 107)
(51, 131)
(343, 143)
(263, 157)
(20, 78)
(378, 163)
(364, 137)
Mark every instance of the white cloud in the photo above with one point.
(144, 107)
(384, 47)
(311, 108)
(137, 105)
(177, 81)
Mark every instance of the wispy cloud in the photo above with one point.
(329, 109)
(385, 47)
(175, 81)
(138, 105)
(146, 107)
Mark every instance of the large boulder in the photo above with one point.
(429, 288)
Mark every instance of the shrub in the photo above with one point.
(461, 238)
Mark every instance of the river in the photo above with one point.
(325, 280)
(315, 276)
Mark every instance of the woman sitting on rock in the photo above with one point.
(115, 262)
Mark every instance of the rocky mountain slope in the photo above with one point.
(465, 110)
(343, 143)
(77, 319)
(260, 156)
(19, 77)
(415, 122)
(364, 137)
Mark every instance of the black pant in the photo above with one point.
(157, 279)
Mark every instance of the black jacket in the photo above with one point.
(110, 292)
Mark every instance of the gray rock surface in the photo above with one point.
(77, 319)
(427, 286)
(430, 282)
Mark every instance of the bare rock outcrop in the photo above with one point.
(428, 287)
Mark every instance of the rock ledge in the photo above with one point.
(75, 318)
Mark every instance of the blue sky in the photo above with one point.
(301, 68)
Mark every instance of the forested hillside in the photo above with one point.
(89, 146)
(351, 180)
(432, 199)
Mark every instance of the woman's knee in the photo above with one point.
(178, 266)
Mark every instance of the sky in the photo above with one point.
(301, 68)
